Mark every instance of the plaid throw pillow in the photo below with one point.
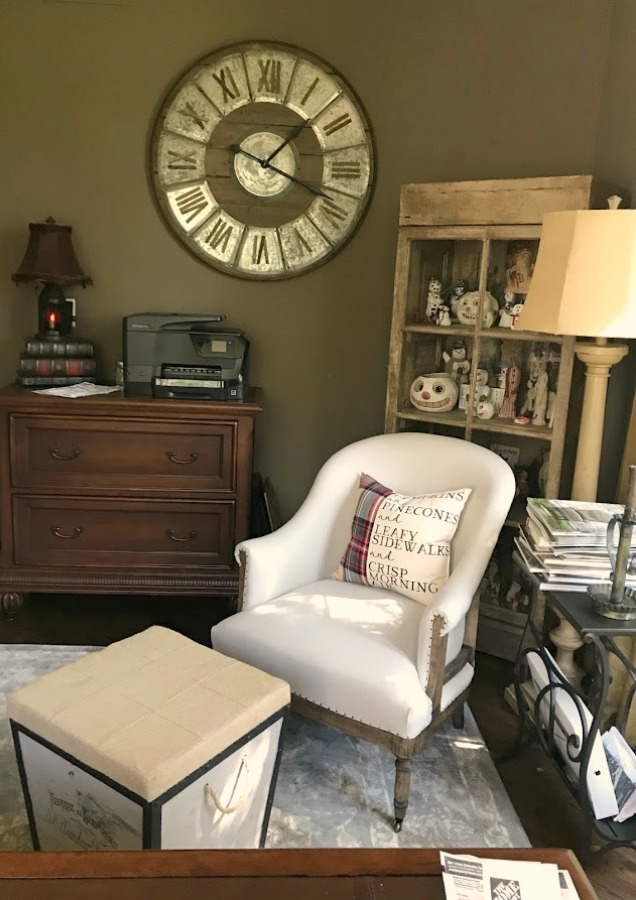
(402, 543)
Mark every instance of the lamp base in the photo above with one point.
(55, 313)
(599, 357)
(603, 605)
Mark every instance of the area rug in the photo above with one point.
(332, 790)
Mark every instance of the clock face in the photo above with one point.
(262, 160)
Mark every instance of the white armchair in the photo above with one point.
(368, 661)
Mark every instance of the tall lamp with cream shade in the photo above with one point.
(584, 284)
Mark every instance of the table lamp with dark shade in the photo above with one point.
(50, 258)
(584, 284)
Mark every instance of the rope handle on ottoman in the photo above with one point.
(225, 810)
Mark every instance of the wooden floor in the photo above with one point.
(545, 807)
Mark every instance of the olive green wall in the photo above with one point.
(616, 160)
(454, 89)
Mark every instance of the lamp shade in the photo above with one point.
(584, 280)
(50, 256)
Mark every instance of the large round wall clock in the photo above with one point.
(262, 160)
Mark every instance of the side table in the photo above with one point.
(601, 633)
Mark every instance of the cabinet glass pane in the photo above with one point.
(440, 271)
(510, 268)
(515, 385)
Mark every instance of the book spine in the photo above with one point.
(59, 348)
(53, 380)
(41, 365)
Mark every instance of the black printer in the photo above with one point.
(184, 356)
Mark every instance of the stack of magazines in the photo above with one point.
(564, 543)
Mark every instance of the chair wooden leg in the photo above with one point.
(458, 717)
(402, 786)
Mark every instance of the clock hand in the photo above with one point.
(287, 140)
(314, 190)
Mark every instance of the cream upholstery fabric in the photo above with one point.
(347, 647)
(149, 710)
(363, 651)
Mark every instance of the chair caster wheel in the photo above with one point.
(397, 825)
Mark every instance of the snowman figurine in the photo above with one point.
(516, 312)
(442, 315)
(505, 313)
(433, 298)
(457, 362)
(485, 409)
(457, 293)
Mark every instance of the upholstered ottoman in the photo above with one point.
(155, 741)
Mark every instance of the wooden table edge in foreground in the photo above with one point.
(273, 863)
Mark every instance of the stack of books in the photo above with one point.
(564, 543)
(57, 363)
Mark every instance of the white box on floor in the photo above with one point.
(153, 742)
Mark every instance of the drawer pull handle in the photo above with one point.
(57, 532)
(181, 462)
(181, 540)
(55, 453)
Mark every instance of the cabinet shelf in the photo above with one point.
(455, 419)
(449, 331)
(508, 426)
(494, 333)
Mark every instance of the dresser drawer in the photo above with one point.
(96, 453)
(51, 531)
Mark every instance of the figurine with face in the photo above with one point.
(458, 364)
(433, 298)
(540, 392)
(436, 393)
(468, 309)
(505, 313)
(458, 291)
(481, 384)
(442, 315)
(481, 393)
(485, 409)
(512, 383)
(515, 313)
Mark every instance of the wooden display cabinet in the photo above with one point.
(484, 236)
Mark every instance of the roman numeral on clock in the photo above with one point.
(312, 87)
(302, 244)
(260, 252)
(226, 82)
(269, 79)
(345, 169)
(336, 214)
(220, 235)
(181, 160)
(191, 203)
(338, 123)
(190, 112)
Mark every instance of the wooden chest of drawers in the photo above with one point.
(113, 494)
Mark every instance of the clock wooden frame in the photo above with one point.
(262, 160)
